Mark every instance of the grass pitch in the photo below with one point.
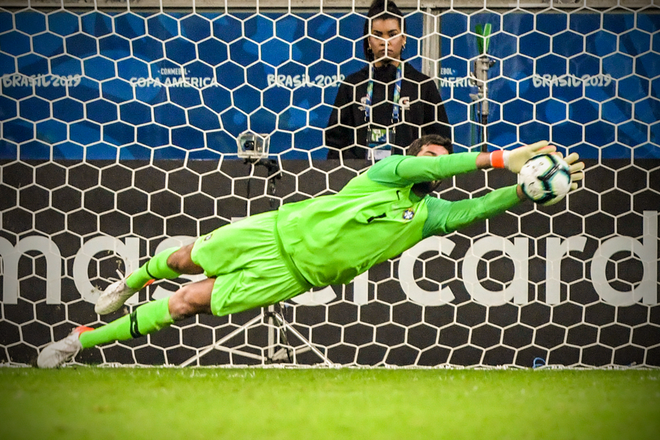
(317, 404)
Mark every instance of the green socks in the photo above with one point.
(146, 319)
(154, 269)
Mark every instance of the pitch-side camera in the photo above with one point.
(253, 146)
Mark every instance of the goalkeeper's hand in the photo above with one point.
(575, 169)
(515, 159)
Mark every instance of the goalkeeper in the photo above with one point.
(274, 256)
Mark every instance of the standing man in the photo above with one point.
(382, 108)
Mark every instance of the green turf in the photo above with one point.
(167, 403)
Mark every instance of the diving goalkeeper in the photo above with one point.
(274, 256)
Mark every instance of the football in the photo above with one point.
(545, 179)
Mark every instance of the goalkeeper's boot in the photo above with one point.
(57, 353)
(114, 296)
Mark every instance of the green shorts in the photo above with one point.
(248, 267)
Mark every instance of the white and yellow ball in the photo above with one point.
(545, 179)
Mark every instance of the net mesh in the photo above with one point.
(118, 140)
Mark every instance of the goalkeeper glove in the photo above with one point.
(515, 159)
(575, 169)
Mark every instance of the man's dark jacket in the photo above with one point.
(425, 113)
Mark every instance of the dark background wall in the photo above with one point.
(71, 203)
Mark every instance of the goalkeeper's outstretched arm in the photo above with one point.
(429, 166)
(446, 217)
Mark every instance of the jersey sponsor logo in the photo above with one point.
(408, 214)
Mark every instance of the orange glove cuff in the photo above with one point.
(497, 159)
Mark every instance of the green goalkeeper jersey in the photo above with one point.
(376, 216)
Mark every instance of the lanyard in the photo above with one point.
(395, 98)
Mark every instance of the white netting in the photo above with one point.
(118, 139)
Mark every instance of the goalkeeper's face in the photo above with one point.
(432, 150)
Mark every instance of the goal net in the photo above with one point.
(118, 139)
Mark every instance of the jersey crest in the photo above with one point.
(408, 214)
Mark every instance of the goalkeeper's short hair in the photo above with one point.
(436, 139)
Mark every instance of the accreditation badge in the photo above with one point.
(379, 141)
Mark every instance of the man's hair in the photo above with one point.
(436, 139)
(380, 10)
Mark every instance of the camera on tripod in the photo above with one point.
(253, 146)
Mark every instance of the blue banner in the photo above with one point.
(134, 85)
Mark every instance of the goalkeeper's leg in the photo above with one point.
(189, 300)
(168, 264)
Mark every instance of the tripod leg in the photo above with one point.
(242, 328)
(289, 327)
